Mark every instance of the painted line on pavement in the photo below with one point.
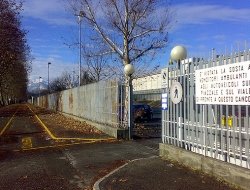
(53, 146)
(96, 186)
(6, 126)
(43, 125)
(66, 138)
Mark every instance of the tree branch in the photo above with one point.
(92, 20)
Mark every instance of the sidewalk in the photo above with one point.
(154, 173)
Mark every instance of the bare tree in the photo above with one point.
(97, 66)
(62, 82)
(131, 30)
(67, 81)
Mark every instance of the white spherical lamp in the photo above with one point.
(178, 53)
(129, 69)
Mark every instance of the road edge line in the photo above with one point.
(43, 125)
(5, 127)
(96, 186)
(65, 138)
(52, 146)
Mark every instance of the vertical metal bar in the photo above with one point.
(186, 108)
(240, 118)
(172, 112)
(247, 137)
(247, 121)
(205, 123)
(190, 76)
(168, 109)
(177, 112)
(188, 122)
(227, 136)
(209, 121)
(183, 108)
(230, 60)
(200, 125)
(221, 129)
(217, 121)
(196, 114)
(169, 119)
(240, 135)
(163, 116)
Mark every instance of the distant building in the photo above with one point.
(148, 87)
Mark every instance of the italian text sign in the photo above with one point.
(226, 84)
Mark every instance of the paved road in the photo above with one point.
(43, 150)
(24, 126)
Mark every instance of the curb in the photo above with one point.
(97, 183)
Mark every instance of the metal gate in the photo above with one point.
(218, 131)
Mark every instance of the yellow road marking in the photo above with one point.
(43, 125)
(65, 138)
(7, 124)
(54, 146)
(26, 143)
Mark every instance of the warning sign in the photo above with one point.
(176, 92)
(164, 78)
(226, 84)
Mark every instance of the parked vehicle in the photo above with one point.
(142, 112)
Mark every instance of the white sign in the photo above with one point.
(164, 78)
(176, 92)
(164, 101)
(226, 84)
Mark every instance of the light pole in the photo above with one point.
(48, 77)
(80, 16)
(177, 54)
(39, 86)
(129, 70)
(39, 91)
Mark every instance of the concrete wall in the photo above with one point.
(97, 103)
(232, 174)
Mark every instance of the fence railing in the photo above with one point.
(218, 131)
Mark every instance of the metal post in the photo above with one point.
(48, 77)
(39, 91)
(39, 86)
(130, 108)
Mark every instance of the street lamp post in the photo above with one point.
(80, 16)
(177, 54)
(129, 70)
(48, 77)
(39, 91)
(39, 86)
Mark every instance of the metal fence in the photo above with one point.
(218, 131)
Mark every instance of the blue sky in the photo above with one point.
(201, 25)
